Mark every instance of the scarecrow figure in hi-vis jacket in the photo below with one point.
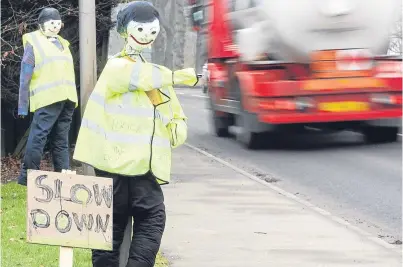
(48, 88)
(132, 121)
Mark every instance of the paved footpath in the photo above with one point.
(218, 217)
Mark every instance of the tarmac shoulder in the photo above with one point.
(217, 217)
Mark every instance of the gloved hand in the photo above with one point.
(177, 130)
(185, 77)
(171, 130)
(22, 113)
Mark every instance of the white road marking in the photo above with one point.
(305, 203)
(193, 95)
(201, 96)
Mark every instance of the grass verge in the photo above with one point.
(16, 252)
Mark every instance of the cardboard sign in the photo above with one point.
(69, 210)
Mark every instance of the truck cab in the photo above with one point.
(274, 68)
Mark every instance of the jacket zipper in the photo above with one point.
(152, 138)
(153, 133)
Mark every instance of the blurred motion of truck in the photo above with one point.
(287, 65)
(205, 78)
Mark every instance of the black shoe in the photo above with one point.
(22, 180)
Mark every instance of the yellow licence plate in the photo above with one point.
(344, 83)
(348, 106)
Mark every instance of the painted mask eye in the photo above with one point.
(153, 32)
(140, 29)
(52, 23)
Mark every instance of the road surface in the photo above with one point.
(337, 172)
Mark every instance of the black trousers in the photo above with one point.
(142, 198)
(51, 122)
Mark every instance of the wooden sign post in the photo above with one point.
(66, 256)
(69, 210)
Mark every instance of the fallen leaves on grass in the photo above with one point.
(10, 167)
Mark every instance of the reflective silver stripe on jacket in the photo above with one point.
(165, 90)
(53, 59)
(124, 138)
(46, 60)
(37, 45)
(156, 77)
(135, 76)
(127, 109)
(48, 86)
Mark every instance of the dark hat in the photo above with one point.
(47, 14)
(138, 11)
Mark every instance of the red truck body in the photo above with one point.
(261, 96)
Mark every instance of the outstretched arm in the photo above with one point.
(146, 76)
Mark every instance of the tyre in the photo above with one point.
(376, 135)
(220, 123)
(250, 140)
(221, 127)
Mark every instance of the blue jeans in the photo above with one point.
(51, 122)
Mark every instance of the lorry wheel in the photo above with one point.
(220, 123)
(376, 135)
(221, 126)
(249, 139)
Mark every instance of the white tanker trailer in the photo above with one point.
(291, 29)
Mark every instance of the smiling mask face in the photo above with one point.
(141, 35)
(51, 28)
(138, 23)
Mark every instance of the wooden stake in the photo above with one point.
(66, 255)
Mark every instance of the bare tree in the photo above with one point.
(168, 49)
(395, 46)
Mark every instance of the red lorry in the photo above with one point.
(270, 94)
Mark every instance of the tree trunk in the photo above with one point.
(179, 37)
(168, 48)
(158, 47)
(170, 18)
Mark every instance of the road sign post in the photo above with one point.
(88, 57)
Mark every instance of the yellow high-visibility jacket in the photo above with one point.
(122, 131)
(53, 79)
